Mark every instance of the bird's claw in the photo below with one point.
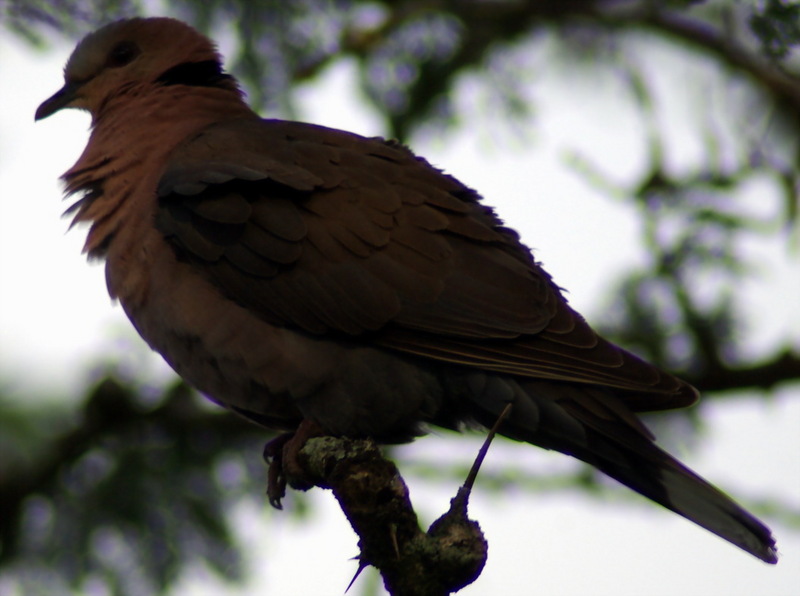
(282, 457)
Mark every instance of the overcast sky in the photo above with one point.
(56, 318)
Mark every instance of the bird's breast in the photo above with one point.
(276, 374)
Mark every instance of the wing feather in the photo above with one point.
(332, 233)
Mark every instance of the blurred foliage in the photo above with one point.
(137, 486)
(777, 26)
(128, 491)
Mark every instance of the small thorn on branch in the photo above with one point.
(375, 500)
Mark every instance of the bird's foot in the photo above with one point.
(281, 455)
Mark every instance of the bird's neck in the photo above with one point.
(132, 138)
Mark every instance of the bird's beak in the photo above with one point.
(59, 100)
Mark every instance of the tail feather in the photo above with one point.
(697, 500)
(658, 476)
(593, 425)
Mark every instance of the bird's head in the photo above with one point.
(127, 53)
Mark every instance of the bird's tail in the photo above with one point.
(593, 425)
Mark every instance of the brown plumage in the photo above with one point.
(290, 272)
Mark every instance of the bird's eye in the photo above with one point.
(121, 54)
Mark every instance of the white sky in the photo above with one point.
(55, 317)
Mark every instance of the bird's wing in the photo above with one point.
(332, 233)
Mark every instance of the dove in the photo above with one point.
(297, 274)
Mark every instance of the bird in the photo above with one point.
(294, 274)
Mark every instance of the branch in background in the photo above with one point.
(482, 26)
(782, 368)
(781, 84)
(145, 474)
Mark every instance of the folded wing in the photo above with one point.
(329, 232)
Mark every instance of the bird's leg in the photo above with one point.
(281, 455)
(276, 480)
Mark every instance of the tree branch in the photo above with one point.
(375, 499)
(783, 368)
(112, 410)
(782, 85)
